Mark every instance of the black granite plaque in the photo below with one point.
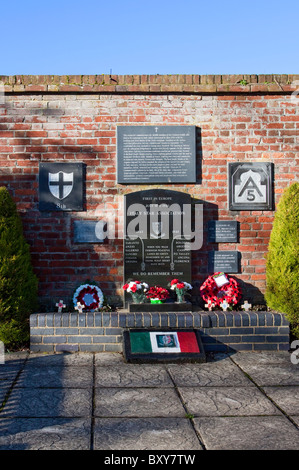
(224, 261)
(250, 186)
(154, 247)
(223, 231)
(61, 186)
(88, 231)
(156, 154)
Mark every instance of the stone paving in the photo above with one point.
(95, 401)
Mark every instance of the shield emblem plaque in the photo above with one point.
(250, 186)
(61, 186)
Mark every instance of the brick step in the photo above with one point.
(103, 331)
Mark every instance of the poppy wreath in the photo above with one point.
(90, 296)
(212, 294)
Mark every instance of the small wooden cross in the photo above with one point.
(224, 305)
(79, 307)
(246, 306)
(210, 305)
(60, 305)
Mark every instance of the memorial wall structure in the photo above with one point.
(76, 152)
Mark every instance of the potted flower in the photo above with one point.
(180, 288)
(137, 290)
(157, 294)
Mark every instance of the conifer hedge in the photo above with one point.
(282, 267)
(18, 283)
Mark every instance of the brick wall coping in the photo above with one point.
(124, 319)
(194, 84)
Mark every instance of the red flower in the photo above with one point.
(157, 292)
(174, 281)
(180, 285)
(125, 286)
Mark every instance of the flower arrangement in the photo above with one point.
(180, 287)
(137, 289)
(89, 296)
(157, 294)
(216, 294)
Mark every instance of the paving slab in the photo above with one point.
(145, 434)
(226, 401)
(9, 371)
(60, 359)
(16, 357)
(287, 398)
(55, 376)
(263, 357)
(248, 433)
(107, 359)
(138, 402)
(223, 373)
(45, 434)
(128, 375)
(87, 400)
(5, 386)
(54, 402)
(295, 419)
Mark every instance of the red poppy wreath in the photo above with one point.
(214, 293)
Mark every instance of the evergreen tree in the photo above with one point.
(18, 283)
(282, 266)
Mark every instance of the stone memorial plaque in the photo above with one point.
(154, 247)
(223, 231)
(61, 186)
(156, 154)
(224, 261)
(250, 186)
(87, 231)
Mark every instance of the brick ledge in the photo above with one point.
(96, 332)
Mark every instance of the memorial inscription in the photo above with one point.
(87, 231)
(156, 154)
(224, 261)
(223, 231)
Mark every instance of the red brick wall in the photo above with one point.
(49, 118)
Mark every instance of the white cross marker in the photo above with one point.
(210, 305)
(246, 306)
(79, 307)
(60, 305)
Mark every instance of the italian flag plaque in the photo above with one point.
(144, 345)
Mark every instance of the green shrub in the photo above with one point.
(282, 268)
(18, 283)
(15, 335)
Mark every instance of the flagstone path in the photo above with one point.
(87, 401)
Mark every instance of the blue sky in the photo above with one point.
(65, 37)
